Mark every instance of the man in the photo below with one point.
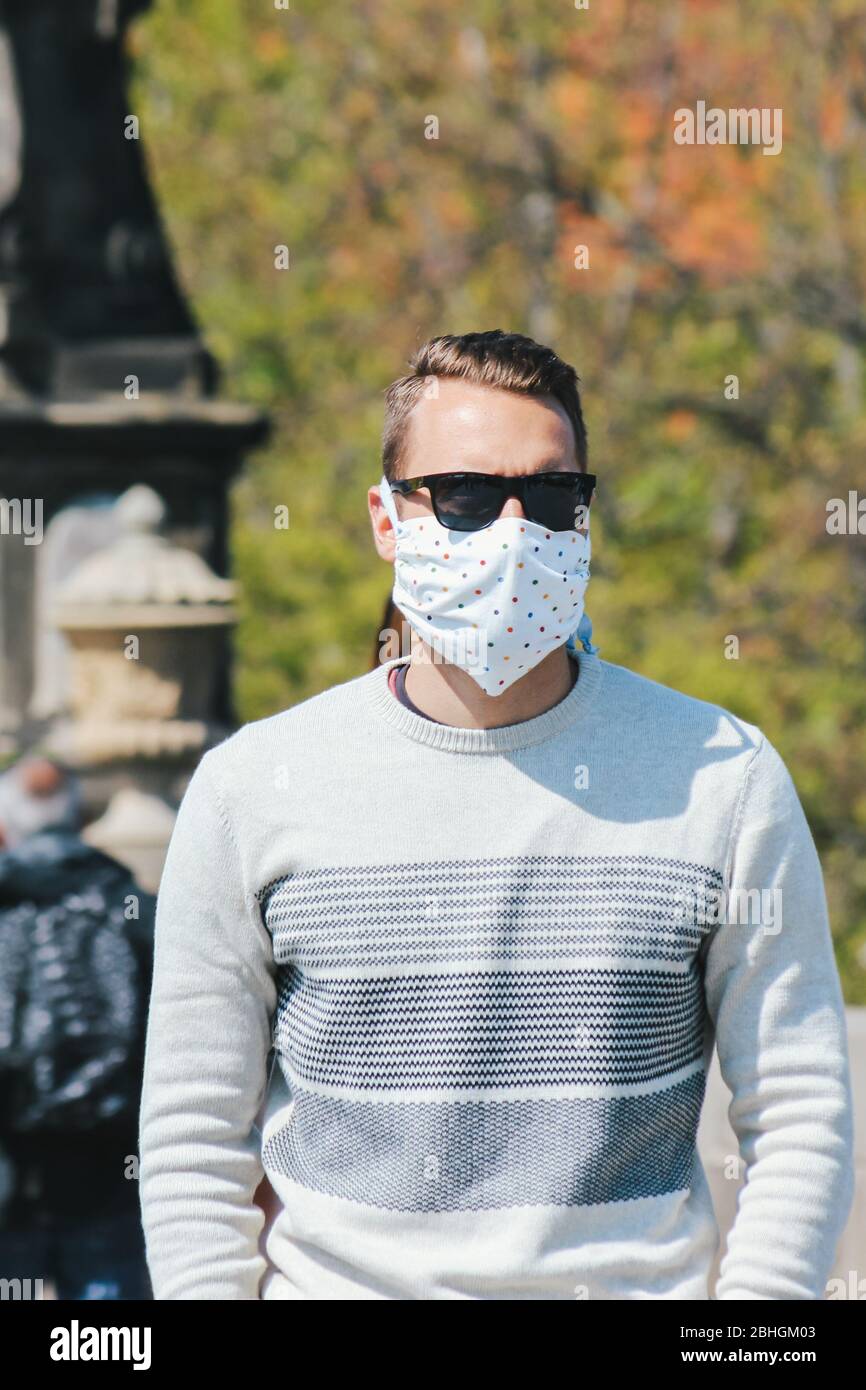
(491, 903)
(75, 956)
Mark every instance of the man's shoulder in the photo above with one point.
(664, 713)
(303, 728)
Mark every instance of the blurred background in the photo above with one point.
(307, 129)
(224, 227)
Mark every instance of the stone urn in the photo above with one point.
(147, 622)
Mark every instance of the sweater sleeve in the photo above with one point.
(208, 1037)
(773, 992)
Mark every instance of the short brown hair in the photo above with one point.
(508, 361)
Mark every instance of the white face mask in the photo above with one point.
(494, 602)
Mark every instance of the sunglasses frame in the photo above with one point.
(508, 487)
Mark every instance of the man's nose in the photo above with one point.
(513, 507)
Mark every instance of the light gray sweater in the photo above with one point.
(493, 964)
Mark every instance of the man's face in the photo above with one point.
(467, 428)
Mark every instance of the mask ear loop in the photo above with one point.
(388, 503)
(584, 636)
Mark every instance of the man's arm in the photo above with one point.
(773, 991)
(208, 1037)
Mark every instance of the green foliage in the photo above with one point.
(306, 128)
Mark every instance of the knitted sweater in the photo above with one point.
(492, 965)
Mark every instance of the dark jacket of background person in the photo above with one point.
(74, 979)
(75, 973)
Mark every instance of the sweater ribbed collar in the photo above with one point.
(504, 739)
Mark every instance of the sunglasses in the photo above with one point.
(472, 501)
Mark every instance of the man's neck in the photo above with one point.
(449, 694)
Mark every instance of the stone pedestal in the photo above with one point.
(135, 830)
(147, 624)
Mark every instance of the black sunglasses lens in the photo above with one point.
(466, 503)
(554, 501)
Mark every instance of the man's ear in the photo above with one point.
(383, 531)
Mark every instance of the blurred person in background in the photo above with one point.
(75, 965)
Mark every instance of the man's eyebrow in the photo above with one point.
(551, 465)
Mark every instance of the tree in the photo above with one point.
(434, 170)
